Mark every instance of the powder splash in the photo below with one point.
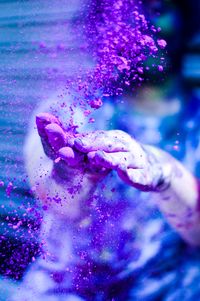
(120, 41)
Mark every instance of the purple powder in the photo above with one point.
(160, 68)
(162, 43)
(120, 40)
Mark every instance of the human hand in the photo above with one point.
(94, 154)
(57, 144)
(116, 150)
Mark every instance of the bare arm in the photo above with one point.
(78, 162)
(178, 196)
(150, 169)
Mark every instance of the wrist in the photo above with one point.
(160, 167)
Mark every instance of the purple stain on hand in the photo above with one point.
(70, 156)
(43, 119)
(56, 136)
(78, 144)
(66, 153)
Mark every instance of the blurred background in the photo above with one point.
(38, 53)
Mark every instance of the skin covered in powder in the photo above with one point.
(87, 234)
(93, 155)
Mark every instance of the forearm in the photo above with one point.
(178, 197)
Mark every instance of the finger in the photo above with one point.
(115, 160)
(137, 178)
(95, 166)
(43, 119)
(101, 140)
(92, 161)
(56, 136)
(71, 157)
